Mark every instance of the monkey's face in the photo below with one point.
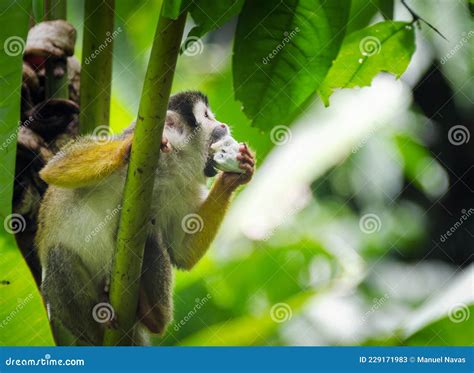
(191, 126)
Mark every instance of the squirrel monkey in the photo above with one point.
(79, 216)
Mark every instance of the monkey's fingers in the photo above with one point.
(244, 158)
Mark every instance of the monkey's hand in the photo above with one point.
(229, 180)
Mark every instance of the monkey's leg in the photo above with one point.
(71, 293)
(155, 307)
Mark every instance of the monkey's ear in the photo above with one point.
(87, 161)
(172, 118)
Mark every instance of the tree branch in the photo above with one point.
(134, 220)
(96, 76)
(56, 86)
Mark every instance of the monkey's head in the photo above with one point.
(191, 127)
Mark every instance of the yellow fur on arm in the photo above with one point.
(86, 162)
(212, 212)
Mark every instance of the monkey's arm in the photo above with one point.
(86, 161)
(211, 213)
(213, 210)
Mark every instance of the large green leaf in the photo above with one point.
(386, 8)
(282, 53)
(172, 8)
(12, 43)
(210, 14)
(385, 46)
(23, 320)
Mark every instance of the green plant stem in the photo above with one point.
(56, 86)
(134, 220)
(96, 74)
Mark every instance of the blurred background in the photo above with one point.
(358, 227)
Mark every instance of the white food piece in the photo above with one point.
(225, 155)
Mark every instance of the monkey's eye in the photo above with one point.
(206, 115)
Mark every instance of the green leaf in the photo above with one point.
(282, 54)
(385, 46)
(12, 43)
(447, 331)
(172, 8)
(360, 15)
(386, 8)
(23, 318)
(210, 14)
